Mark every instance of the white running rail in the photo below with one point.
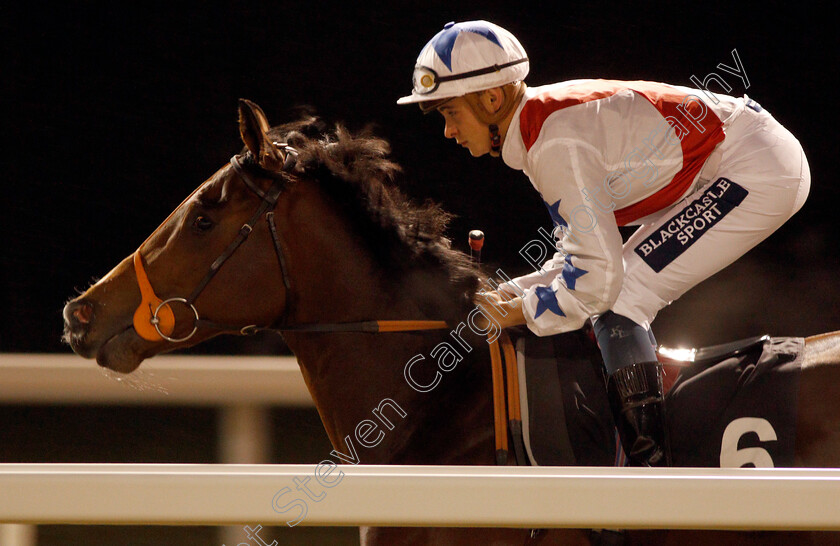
(771, 499)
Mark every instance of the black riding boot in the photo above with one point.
(638, 407)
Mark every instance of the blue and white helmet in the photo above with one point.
(464, 58)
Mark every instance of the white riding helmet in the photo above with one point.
(464, 58)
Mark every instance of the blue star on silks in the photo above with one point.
(444, 41)
(571, 273)
(554, 211)
(548, 301)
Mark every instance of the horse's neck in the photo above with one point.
(358, 380)
(333, 276)
(373, 415)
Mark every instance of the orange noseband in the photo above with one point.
(152, 315)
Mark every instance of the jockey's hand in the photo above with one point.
(504, 311)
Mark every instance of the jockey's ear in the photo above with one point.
(254, 127)
(492, 100)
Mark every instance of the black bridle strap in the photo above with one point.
(269, 201)
(236, 162)
(281, 259)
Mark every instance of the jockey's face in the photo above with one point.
(462, 125)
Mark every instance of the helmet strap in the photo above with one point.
(512, 93)
(495, 140)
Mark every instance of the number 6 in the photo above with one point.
(732, 457)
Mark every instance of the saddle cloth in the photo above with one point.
(739, 410)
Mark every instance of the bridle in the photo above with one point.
(154, 319)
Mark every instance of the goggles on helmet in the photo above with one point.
(425, 80)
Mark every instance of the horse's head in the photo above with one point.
(345, 246)
(213, 259)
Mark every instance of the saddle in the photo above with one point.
(728, 405)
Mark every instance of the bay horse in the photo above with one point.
(305, 232)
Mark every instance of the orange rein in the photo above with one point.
(410, 325)
(502, 361)
(152, 308)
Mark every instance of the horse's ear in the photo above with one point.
(254, 127)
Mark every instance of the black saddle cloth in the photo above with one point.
(737, 410)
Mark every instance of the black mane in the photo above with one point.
(407, 239)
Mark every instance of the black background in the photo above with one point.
(114, 112)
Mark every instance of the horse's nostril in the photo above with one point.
(82, 312)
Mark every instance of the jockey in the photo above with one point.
(705, 176)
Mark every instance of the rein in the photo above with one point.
(154, 319)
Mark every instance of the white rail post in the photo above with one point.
(244, 438)
(14, 534)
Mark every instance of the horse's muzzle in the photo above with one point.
(78, 316)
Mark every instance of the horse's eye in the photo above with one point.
(202, 223)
